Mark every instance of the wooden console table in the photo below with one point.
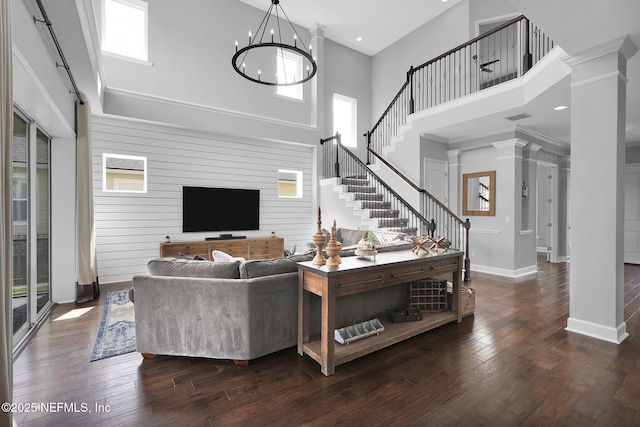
(250, 248)
(356, 275)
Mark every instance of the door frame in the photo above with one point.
(552, 243)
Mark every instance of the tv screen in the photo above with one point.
(220, 209)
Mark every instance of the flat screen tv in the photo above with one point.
(220, 209)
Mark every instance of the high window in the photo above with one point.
(289, 69)
(125, 28)
(345, 119)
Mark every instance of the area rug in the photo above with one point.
(117, 334)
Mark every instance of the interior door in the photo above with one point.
(632, 214)
(435, 179)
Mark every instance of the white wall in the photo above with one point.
(41, 91)
(130, 227)
(191, 49)
(487, 10)
(348, 73)
(436, 37)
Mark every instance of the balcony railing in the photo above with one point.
(502, 54)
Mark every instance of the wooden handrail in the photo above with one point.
(384, 184)
(390, 106)
(449, 52)
(472, 41)
(415, 187)
(465, 224)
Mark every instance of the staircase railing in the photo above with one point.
(340, 162)
(504, 53)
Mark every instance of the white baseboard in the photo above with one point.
(505, 272)
(594, 330)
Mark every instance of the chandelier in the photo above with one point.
(271, 61)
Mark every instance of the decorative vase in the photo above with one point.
(319, 240)
(333, 249)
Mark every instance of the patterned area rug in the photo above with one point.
(117, 334)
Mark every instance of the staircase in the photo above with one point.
(376, 212)
(452, 75)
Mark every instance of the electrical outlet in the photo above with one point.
(508, 219)
(473, 253)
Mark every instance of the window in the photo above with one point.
(20, 190)
(289, 183)
(289, 68)
(124, 28)
(127, 174)
(344, 119)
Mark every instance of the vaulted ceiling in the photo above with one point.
(379, 23)
(573, 24)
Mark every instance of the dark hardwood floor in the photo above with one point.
(512, 363)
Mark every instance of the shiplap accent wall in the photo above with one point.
(130, 226)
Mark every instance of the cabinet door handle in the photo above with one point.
(380, 278)
(442, 266)
(422, 270)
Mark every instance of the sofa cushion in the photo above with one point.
(192, 268)
(307, 256)
(348, 237)
(259, 268)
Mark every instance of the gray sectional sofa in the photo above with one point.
(238, 310)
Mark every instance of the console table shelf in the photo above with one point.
(356, 276)
(393, 333)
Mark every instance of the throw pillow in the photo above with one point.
(385, 237)
(219, 256)
(348, 237)
(195, 257)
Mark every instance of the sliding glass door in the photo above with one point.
(42, 225)
(20, 227)
(31, 225)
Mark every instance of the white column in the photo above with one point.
(598, 110)
(509, 199)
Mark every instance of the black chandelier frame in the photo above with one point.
(242, 53)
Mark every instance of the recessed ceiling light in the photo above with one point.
(561, 107)
(358, 39)
(444, 1)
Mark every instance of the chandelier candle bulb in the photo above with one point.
(284, 50)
